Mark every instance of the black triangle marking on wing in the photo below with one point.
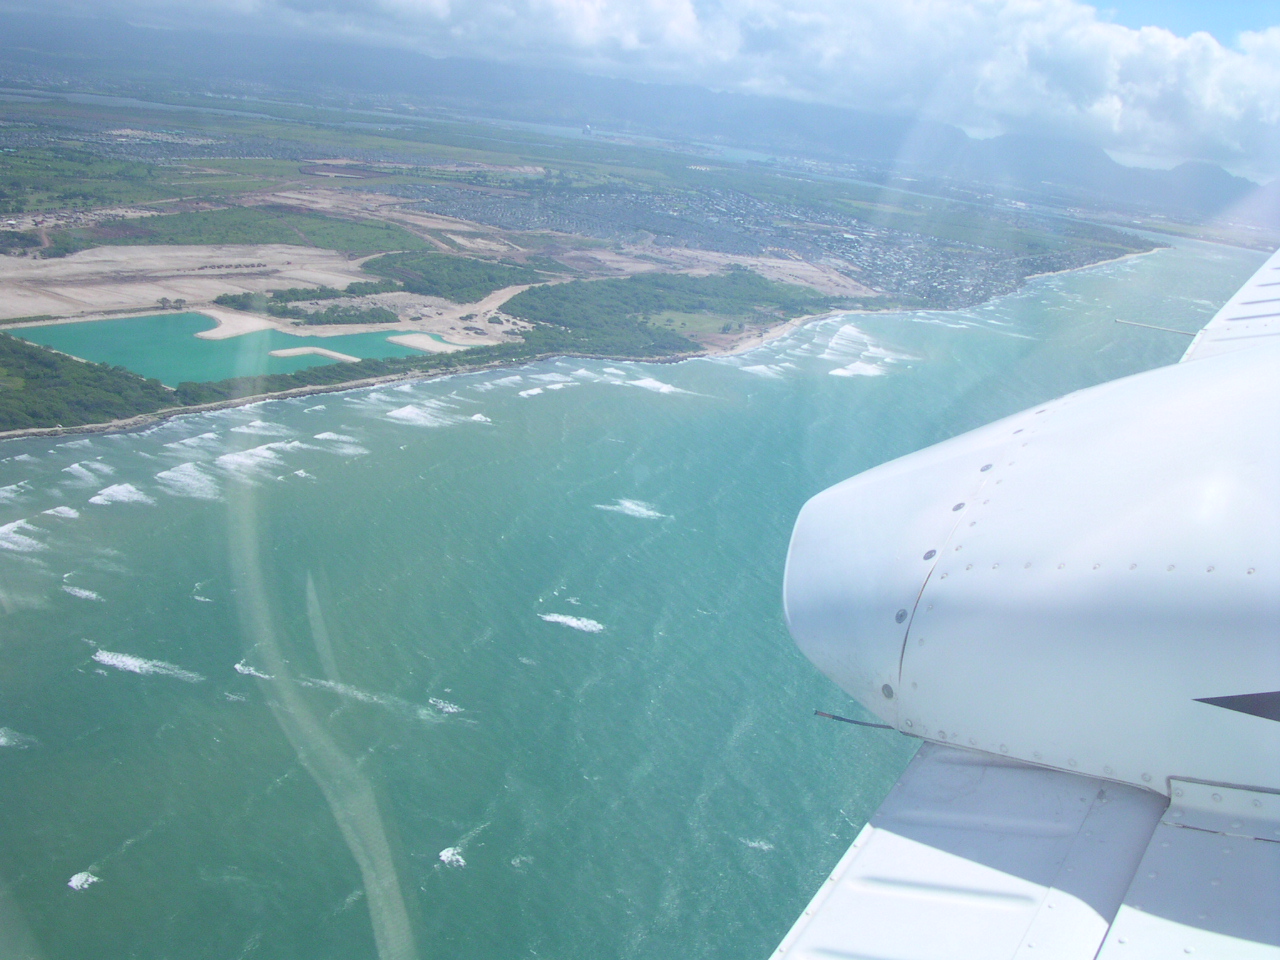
(1264, 705)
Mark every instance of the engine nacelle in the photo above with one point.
(1091, 585)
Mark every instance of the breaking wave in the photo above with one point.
(188, 480)
(148, 668)
(577, 623)
(633, 508)
(120, 493)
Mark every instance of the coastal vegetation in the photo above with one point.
(40, 388)
(456, 278)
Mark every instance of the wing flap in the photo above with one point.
(975, 856)
(1209, 883)
(1251, 316)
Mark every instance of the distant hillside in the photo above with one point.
(140, 61)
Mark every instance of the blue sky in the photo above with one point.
(1224, 19)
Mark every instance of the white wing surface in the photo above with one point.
(973, 857)
(1251, 317)
(1077, 608)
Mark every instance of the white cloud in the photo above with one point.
(988, 65)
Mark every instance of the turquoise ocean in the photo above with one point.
(490, 666)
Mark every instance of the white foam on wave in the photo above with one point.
(452, 857)
(507, 381)
(633, 508)
(82, 880)
(257, 461)
(147, 668)
(561, 386)
(71, 513)
(426, 413)
(263, 428)
(318, 406)
(12, 492)
(13, 538)
(770, 371)
(577, 623)
(615, 371)
(763, 845)
(657, 386)
(550, 378)
(249, 671)
(14, 739)
(859, 368)
(82, 593)
(480, 418)
(88, 471)
(585, 374)
(188, 480)
(201, 440)
(531, 393)
(870, 359)
(22, 458)
(120, 493)
(432, 714)
(341, 444)
(77, 444)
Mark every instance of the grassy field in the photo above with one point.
(266, 224)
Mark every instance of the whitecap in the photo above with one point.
(12, 538)
(330, 435)
(71, 513)
(248, 671)
(81, 593)
(255, 461)
(859, 368)
(132, 664)
(12, 492)
(24, 458)
(304, 475)
(82, 880)
(16, 740)
(318, 406)
(422, 415)
(77, 444)
(550, 378)
(764, 845)
(262, 428)
(444, 706)
(188, 480)
(452, 857)
(87, 471)
(577, 623)
(507, 381)
(615, 371)
(531, 393)
(561, 386)
(657, 386)
(633, 508)
(202, 440)
(480, 418)
(120, 493)
(768, 371)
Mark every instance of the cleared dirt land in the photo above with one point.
(109, 279)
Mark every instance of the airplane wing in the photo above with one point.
(1077, 609)
(1249, 318)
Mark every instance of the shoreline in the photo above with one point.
(745, 345)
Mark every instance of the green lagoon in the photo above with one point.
(166, 347)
